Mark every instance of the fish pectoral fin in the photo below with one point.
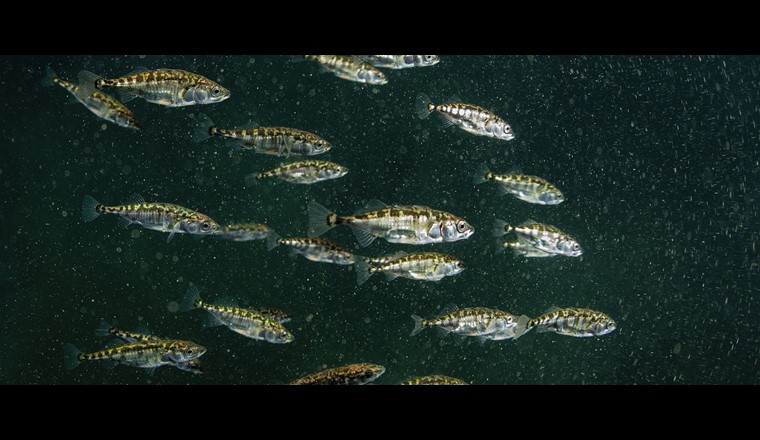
(363, 237)
(123, 222)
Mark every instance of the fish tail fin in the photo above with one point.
(272, 240)
(104, 329)
(363, 270)
(49, 78)
(500, 227)
(423, 106)
(418, 325)
(321, 219)
(482, 174)
(204, 128)
(90, 208)
(72, 356)
(250, 179)
(191, 300)
(522, 326)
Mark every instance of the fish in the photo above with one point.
(424, 266)
(168, 87)
(274, 141)
(434, 380)
(192, 366)
(522, 249)
(248, 323)
(400, 61)
(542, 237)
(476, 321)
(305, 172)
(350, 68)
(579, 323)
(101, 104)
(275, 314)
(148, 354)
(248, 232)
(319, 250)
(410, 224)
(354, 374)
(470, 118)
(531, 189)
(163, 217)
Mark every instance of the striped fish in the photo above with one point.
(579, 323)
(319, 250)
(434, 380)
(350, 68)
(531, 189)
(354, 374)
(305, 172)
(470, 118)
(538, 236)
(424, 266)
(476, 321)
(148, 354)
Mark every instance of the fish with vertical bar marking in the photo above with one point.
(248, 323)
(350, 68)
(531, 189)
(475, 321)
(275, 141)
(400, 61)
(163, 217)
(424, 266)
(101, 104)
(410, 224)
(434, 380)
(536, 239)
(354, 374)
(319, 250)
(579, 323)
(168, 87)
(470, 118)
(305, 172)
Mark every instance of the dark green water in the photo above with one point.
(657, 156)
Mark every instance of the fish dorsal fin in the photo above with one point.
(226, 301)
(454, 99)
(143, 329)
(139, 69)
(396, 255)
(372, 205)
(552, 309)
(363, 237)
(113, 344)
(249, 124)
(448, 308)
(135, 199)
(515, 170)
(529, 221)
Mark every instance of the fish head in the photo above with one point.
(127, 120)
(202, 225)
(500, 130)
(372, 76)
(604, 326)
(570, 247)
(184, 351)
(454, 267)
(456, 229)
(552, 197)
(205, 92)
(277, 334)
(333, 172)
(429, 60)
(319, 146)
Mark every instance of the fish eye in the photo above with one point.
(461, 226)
(429, 57)
(216, 91)
(205, 226)
(189, 351)
(576, 246)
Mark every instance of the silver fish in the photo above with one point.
(319, 250)
(305, 172)
(470, 118)
(425, 266)
(350, 68)
(410, 224)
(579, 323)
(542, 237)
(400, 61)
(531, 189)
(476, 321)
